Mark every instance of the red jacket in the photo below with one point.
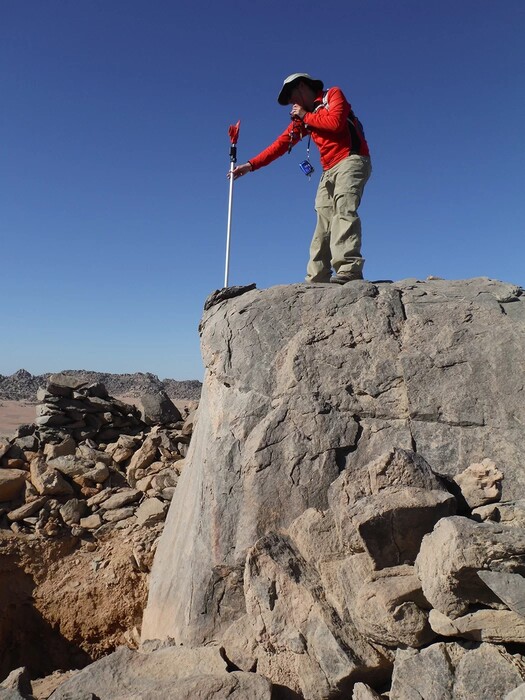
(328, 124)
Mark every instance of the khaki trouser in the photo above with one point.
(336, 242)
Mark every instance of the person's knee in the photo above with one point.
(347, 207)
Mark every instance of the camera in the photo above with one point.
(306, 167)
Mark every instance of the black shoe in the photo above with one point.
(343, 279)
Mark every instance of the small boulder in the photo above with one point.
(158, 409)
(151, 511)
(12, 482)
(480, 483)
(122, 498)
(453, 554)
(390, 609)
(47, 481)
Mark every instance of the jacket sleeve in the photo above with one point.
(334, 118)
(294, 132)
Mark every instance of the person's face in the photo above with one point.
(302, 95)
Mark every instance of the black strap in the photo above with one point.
(357, 133)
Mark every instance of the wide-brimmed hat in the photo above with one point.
(290, 82)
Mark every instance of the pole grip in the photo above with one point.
(233, 153)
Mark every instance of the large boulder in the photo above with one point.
(450, 671)
(454, 555)
(308, 390)
(173, 672)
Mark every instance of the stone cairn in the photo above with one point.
(91, 463)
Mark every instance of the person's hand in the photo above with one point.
(297, 111)
(240, 170)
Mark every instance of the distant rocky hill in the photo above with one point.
(22, 385)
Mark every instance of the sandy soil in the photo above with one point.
(15, 413)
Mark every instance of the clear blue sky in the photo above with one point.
(114, 151)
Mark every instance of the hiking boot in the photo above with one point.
(344, 278)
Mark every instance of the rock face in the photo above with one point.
(331, 427)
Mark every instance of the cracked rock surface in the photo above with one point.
(330, 423)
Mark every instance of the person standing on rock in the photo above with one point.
(326, 117)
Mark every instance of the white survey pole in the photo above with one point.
(229, 227)
(233, 131)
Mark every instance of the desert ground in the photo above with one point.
(15, 413)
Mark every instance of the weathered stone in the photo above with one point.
(19, 681)
(123, 449)
(64, 448)
(17, 464)
(510, 588)
(99, 497)
(307, 641)
(165, 479)
(98, 474)
(505, 672)
(5, 446)
(390, 609)
(91, 522)
(455, 551)
(226, 293)
(190, 422)
(29, 443)
(158, 409)
(151, 511)
(71, 465)
(174, 672)
(482, 626)
(12, 483)
(516, 694)
(167, 493)
(89, 453)
(27, 510)
(348, 374)
(123, 497)
(72, 511)
(182, 449)
(316, 536)
(48, 481)
(508, 512)
(143, 457)
(144, 483)
(153, 468)
(362, 691)
(113, 516)
(25, 429)
(56, 420)
(452, 671)
(388, 506)
(480, 483)
(97, 389)
(64, 381)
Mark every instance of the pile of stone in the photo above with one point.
(90, 462)
(423, 585)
